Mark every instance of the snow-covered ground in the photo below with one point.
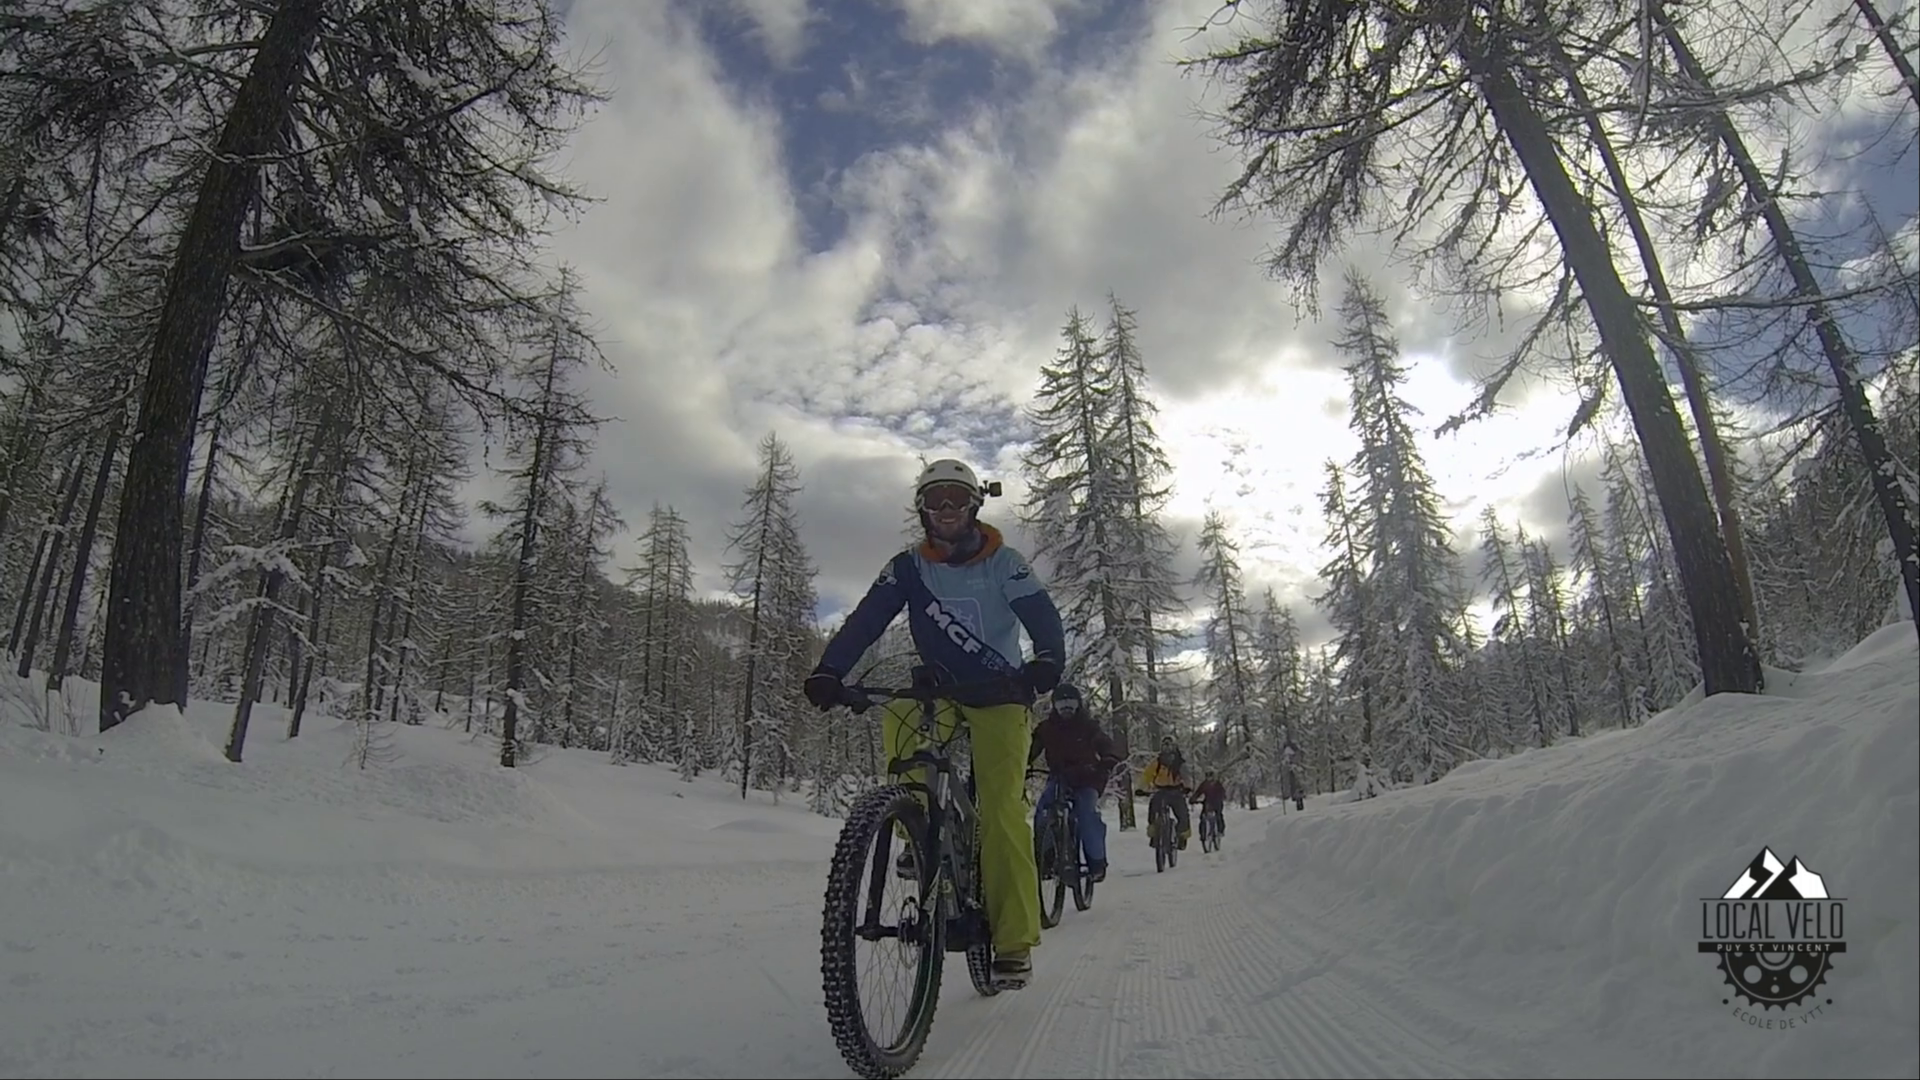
(165, 913)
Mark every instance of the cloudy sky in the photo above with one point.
(860, 224)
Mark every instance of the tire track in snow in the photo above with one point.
(1198, 961)
(1273, 989)
(1430, 1018)
(1125, 1014)
(1070, 1001)
(1221, 970)
(1278, 987)
(992, 1034)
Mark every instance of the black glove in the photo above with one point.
(1041, 674)
(823, 689)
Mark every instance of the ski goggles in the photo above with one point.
(938, 497)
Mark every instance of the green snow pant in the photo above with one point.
(1008, 876)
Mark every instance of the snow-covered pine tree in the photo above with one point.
(314, 443)
(1670, 662)
(551, 444)
(1413, 561)
(583, 620)
(1349, 605)
(1482, 719)
(1517, 680)
(1231, 651)
(1074, 503)
(773, 576)
(1726, 143)
(425, 511)
(1282, 687)
(795, 598)
(1327, 741)
(444, 225)
(1599, 599)
(1547, 622)
(1150, 599)
(665, 639)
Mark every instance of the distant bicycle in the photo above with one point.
(1209, 831)
(1166, 845)
(1057, 840)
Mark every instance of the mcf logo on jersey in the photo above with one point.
(956, 625)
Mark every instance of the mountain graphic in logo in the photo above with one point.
(1765, 879)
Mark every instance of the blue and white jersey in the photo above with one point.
(965, 619)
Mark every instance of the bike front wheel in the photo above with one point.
(878, 1041)
(979, 948)
(1058, 838)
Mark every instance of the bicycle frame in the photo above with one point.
(947, 802)
(1061, 813)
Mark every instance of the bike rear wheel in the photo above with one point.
(864, 856)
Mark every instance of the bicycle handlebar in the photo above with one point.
(860, 697)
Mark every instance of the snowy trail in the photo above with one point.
(164, 913)
(1214, 969)
(662, 970)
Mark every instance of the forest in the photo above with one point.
(272, 272)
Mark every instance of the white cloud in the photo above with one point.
(921, 330)
(781, 26)
(1017, 28)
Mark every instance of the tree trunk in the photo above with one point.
(753, 673)
(69, 476)
(190, 603)
(57, 540)
(143, 660)
(1728, 662)
(523, 566)
(1853, 399)
(83, 550)
(22, 448)
(260, 630)
(1895, 52)
(319, 649)
(406, 621)
(1712, 447)
(372, 692)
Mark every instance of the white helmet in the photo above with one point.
(947, 471)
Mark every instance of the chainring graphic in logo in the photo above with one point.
(1774, 932)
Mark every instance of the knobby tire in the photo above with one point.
(871, 815)
(980, 953)
(1058, 836)
(1082, 875)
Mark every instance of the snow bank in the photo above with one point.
(1571, 877)
(171, 913)
(430, 796)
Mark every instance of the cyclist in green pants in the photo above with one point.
(967, 594)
